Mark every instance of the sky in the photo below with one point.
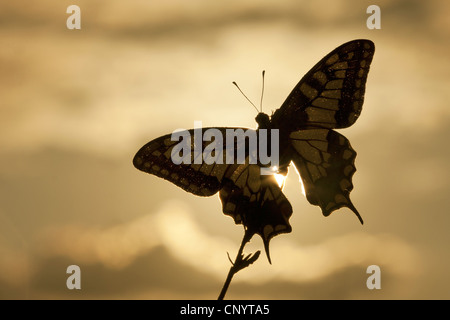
(76, 105)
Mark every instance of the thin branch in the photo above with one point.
(240, 263)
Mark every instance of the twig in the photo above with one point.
(240, 263)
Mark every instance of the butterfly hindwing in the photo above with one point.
(325, 162)
(258, 203)
(331, 94)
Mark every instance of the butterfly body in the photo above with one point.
(329, 96)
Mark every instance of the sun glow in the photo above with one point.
(280, 179)
(300, 179)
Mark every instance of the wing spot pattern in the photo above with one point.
(334, 84)
(313, 171)
(320, 77)
(322, 171)
(230, 207)
(320, 144)
(348, 170)
(168, 153)
(206, 168)
(340, 74)
(335, 94)
(339, 66)
(332, 59)
(347, 154)
(308, 91)
(254, 181)
(320, 115)
(307, 151)
(139, 161)
(168, 142)
(361, 73)
(345, 184)
(332, 104)
(241, 181)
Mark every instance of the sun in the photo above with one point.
(280, 179)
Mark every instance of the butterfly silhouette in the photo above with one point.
(330, 96)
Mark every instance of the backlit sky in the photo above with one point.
(75, 106)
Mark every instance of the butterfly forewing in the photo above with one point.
(201, 179)
(331, 94)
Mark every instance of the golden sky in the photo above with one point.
(75, 106)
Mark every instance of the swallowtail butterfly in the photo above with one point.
(330, 96)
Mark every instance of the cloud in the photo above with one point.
(291, 261)
(174, 228)
(115, 247)
(139, 71)
(16, 266)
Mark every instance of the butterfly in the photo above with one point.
(330, 96)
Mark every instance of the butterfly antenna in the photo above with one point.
(262, 91)
(245, 96)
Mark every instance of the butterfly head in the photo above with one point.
(263, 121)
